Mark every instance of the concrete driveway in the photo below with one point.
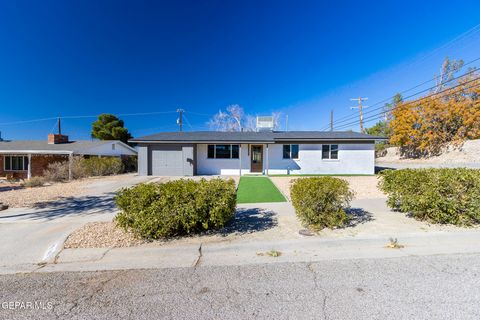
(35, 235)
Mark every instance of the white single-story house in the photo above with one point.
(264, 152)
(24, 159)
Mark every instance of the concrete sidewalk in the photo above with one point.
(244, 253)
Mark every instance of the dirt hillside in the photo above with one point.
(468, 153)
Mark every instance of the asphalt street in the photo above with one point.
(413, 287)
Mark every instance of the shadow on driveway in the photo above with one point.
(357, 216)
(65, 207)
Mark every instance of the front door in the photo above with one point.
(257, 159)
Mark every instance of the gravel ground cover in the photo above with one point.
(101, 235)
(365, 187)
(27, 197)
(16, 196)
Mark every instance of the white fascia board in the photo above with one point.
(201, 142)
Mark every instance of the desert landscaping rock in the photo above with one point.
(27, 197)
(16, 196)
(365, 187)
(101, 235)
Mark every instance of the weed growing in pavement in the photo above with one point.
(393, 244)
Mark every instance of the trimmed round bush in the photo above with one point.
(319, 202)
(446, 195)
(176, 208)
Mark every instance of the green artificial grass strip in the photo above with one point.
(258, 189)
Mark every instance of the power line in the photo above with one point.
(331, 120)
(469, 33)
(188, 122)
(411, 96)
(340, 120)
(199, 114)
(143, 113)
(85, 116)
(379, 115)
(429, 89)
(27, 121)
(416, 101)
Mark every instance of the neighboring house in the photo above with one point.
(265, 152)
(27, 158)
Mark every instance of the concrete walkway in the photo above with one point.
(36, 235)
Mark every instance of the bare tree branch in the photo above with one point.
(235, 119)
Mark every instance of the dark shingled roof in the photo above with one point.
(267, 136)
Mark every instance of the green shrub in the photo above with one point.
(34, 182)
(434, 195)
(105, 166)
(319, 202)
(130, 163)
(175, 208)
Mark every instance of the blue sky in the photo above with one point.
(303, 58)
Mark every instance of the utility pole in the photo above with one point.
(286, 122)
(360, 110)
(331, 120)
(180, 119)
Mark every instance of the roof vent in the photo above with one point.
(265, 123)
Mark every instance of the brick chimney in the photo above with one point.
(54, 138)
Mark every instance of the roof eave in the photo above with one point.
(199, 141)
(37, 152)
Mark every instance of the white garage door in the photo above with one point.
(167, 161)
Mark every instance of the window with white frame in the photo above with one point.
(330, 151)
(15, 163)
(223, 151)
(290, 151)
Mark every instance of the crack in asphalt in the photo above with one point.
(200, 254)
(318, 288)
(86, 299)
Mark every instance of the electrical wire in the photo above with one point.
(349, 117)
(410, 96)
(381, 114)
(84, 116)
